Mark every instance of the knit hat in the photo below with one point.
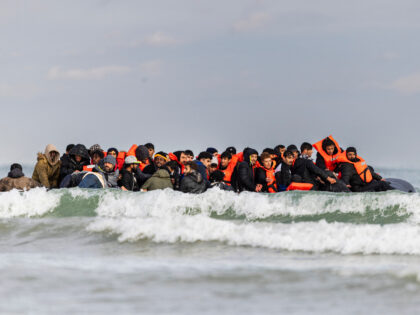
(15, 165)
(110, 159)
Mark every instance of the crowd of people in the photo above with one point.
(142, 169)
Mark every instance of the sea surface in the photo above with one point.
(111, 252)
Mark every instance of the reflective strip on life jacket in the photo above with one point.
(330, 160)
(299, 186)
(361, 167)
(88, 168)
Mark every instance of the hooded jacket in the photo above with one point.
(69, 164)
(193, 183)
(110, 178)
(17, 180)
(246, 172)
(47, 171)
(161, 179)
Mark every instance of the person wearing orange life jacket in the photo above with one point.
(120, 157)
(357, 175)
(227, 165)
(264, 174)
(328, 151)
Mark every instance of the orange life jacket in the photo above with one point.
(173, 157)
(272, 184)
(330, 160)
(132, 150)
(299, 186)
(361, 167)
(228, 171)
(120, 159)
(88, 168)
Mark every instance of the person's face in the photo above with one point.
(295, 154)
(267, 163)
(108, 167)
(330, 149)
(351, 155)
(224, 162)
(308, 152)
(53, 155)
(183, 158)
(113, 153)
(206, 162)
(78, 158)
(282, 150)
(159, 161)
(212, 168)
(187, 169)
(190, 158)
(288, 160)
(96, 158)
(151, 152)
(135, 166)
(253, 158)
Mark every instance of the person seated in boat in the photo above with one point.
(203, 162)
(128, 180)
(228, 166)
(246, 177)
(216, 180)
(283, 171)
(265, 174)
(151, 148)
(328, 150)
(357, 175)
(17, 180)
(163, 178)
(103, 175)
(160, 159)
(78, 159)
(190, 155)
(47, 169)
(192, 182)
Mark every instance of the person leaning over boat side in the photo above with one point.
(162, 178)
(17, 180)
(359, 176)
(103, 175)
(192, 182)
(47, 169)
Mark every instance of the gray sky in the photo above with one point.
(192, 74)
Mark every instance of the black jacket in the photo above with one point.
(141, 177)
(283, 176)
(193, 183)
(308, 171)
(350, 177)
(261, 178)
(246, 172)
(69, 164)
(128, 180)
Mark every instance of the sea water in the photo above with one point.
(163, 252)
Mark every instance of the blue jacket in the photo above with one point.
(203, 171)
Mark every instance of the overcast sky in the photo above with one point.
(192, 74)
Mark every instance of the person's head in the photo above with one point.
(109, 163)
(351, 153)
(216, 177)
(142, 154)
(52, 154)
(94, 148)
(231, 150)
(329, 146)
(130, 163)
(272, 152)
(205, 158)
(69, 147)
(280, 149)
(190, 166)
(97, 156)
(225, 159)
(78, 158)
(160, 159)
(306, 149)
(171, 166)
(151, 148)
(15, 166)
(212, 167)
(190, 155)
(293, 149)
(266, 160)
(112, 151)
(183, 158)
(288, 157)
(212, 151)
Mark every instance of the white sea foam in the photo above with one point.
(30, 203)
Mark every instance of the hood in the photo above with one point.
(161, 173)
(247, 153)
(51, 148)
(80, 149)
(16, 173)
(142, 153)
